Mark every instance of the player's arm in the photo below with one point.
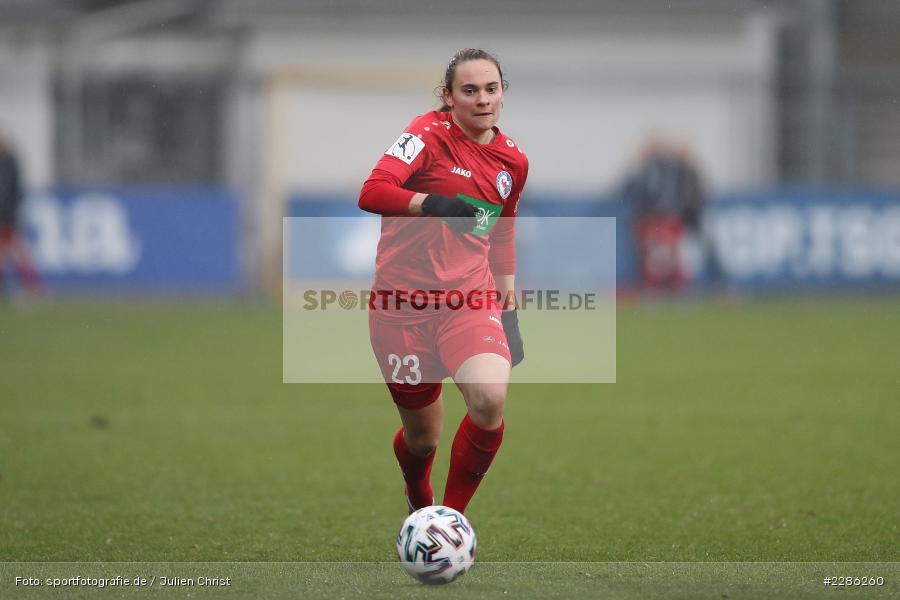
(503, 265)
(502, 253)
(506, 286)
(384, 193)
(381, 194)
(502, 257)
(415, 204)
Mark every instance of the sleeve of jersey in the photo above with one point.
(502, 254)
(383, 192)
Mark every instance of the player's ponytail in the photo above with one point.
(462, 56)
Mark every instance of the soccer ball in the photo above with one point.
(436, 544)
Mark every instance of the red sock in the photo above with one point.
(473, 450)
(416, 472)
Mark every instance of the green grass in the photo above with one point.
(736, 433)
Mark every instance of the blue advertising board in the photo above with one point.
(788, 239)
(583, 239)
(808, 239)
(162, 239)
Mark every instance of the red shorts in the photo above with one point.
(414, 358)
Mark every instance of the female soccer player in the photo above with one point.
(456, 173)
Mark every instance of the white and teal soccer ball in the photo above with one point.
(436, 544)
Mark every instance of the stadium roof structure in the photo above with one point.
(120, 16)
(53, 10)
(504, 5)
(16, 12)
(288, 7)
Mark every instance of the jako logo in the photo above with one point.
(463, 172)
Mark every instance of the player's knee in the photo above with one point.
(485, 403)
(423, 443)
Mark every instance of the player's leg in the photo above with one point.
(422, 427)
(5, 240)
(415, 445)
(413, 374)
(483, 381)
(21, 260)
(474, 349)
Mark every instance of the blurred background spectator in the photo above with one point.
(13, 251)
(666, 195)
(659, 192)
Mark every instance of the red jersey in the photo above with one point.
(434, 156)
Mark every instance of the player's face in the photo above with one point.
(477, 96)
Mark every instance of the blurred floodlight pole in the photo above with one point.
(821, 89)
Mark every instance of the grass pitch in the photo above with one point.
(762, 433)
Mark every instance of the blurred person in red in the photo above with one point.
(12, 245)
(668, 197)
(448, 191)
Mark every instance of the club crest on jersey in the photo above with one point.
(504, 184)
(406, 148)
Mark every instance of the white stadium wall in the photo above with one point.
(26, 116)
(586, 91)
